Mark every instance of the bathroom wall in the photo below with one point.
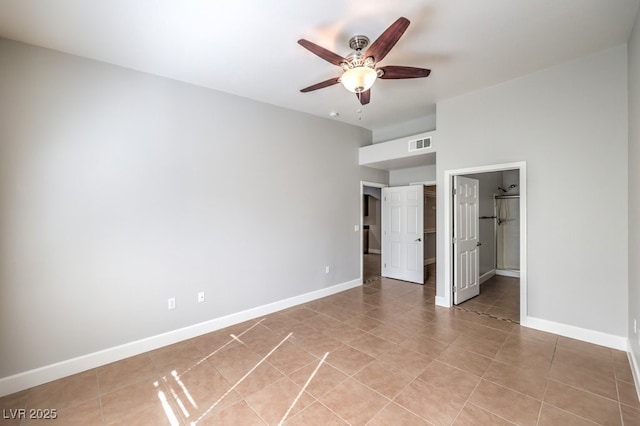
(509, 178)
(508, 233)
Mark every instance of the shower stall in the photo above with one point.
(507, 233)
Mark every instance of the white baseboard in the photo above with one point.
(586, 335)
(484, 277)
(508, 273)
(441, 301)
(38, 376)
(635, 369)
(375, 251)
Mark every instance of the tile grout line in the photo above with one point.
(334, 413)
(243, 378)
(467, 401)
(544, 394)
(580, 389)
(408, 384)
(99, 397)
(618, 393)
(295, 401)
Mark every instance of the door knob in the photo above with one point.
(418, 239)
(478, 244)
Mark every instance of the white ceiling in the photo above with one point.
(249, 48)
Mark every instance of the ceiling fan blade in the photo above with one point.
(383, 44)
(321, 85)
(397, 72)
(325, 54)
(364, 97)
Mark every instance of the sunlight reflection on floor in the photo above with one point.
(175, 376)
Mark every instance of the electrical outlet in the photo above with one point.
(356, 228)
(326, 269)
(201, 297)
(171, 303)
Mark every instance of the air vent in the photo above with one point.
(419, 144)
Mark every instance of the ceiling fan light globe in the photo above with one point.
(359, 79)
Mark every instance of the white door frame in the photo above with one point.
(425, 183)
(364, 183)
(446, 299)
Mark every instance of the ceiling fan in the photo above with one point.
(359, 67)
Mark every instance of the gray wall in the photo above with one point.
(369, 174)
(119, 190)
(402, 177)
(566, 122)
(634, 184)
(426, 123)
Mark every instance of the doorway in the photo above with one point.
(372, 229)
(371, 223)
(489, 273)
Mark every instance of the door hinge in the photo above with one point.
(455, 289)
(453, 240)
(454, 191)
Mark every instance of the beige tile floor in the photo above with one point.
(378, 354)
(499, 298)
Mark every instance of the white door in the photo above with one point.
(402, 233)
(466, 276)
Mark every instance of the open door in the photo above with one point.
(466, 275)
(402, 233)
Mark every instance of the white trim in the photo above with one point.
(373, 184)
(441, 301)
(635, 369)
(508, 273)
(584, 334)
(447, 298)
(375, 251)
(487, 275)
(38, 376)
(425, 183)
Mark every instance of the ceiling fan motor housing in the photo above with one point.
(358, 42)
(356, 58)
